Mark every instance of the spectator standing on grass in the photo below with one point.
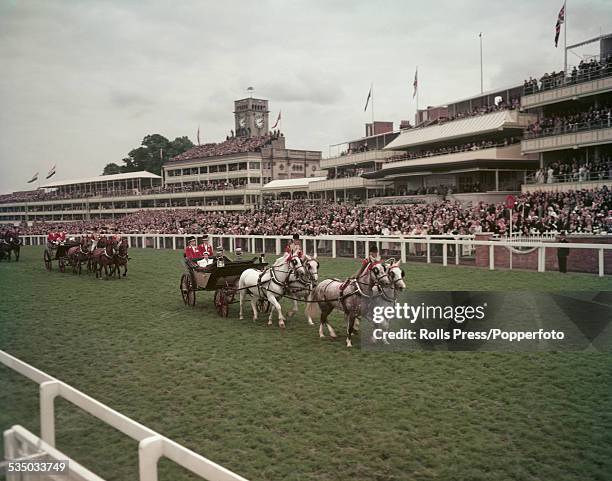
(562, 254)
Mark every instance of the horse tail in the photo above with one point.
(312, 305)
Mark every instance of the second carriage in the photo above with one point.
(59, 253)
(221, 276)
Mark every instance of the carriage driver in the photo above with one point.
(294, 247)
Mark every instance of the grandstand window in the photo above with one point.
(254, 180)
(223, 168)
(203, 170)
(233, 167)
(213, 168)
(185, 172)
(242, 166)
(194, 171)
(254, 165)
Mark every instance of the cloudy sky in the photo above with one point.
(84, 81)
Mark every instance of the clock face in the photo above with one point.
(242, 121)
(259, 121)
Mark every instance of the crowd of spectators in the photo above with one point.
(575, 170)
(584, 72)
(593, 118)
(587, 211)
(232, 145)
(514, 103)
(467, 147)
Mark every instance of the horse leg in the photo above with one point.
(254, 308)
(294, 309)
(308, 300)
(125, 269)
(279, 310)
(350, 320)
(326, 311)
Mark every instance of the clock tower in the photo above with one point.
(251, 117)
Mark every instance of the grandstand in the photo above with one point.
(549, 134)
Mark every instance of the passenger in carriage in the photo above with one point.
(205, 252)
(191, 252)
(294, 247)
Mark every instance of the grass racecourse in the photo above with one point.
(285, 405)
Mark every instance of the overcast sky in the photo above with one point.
(84, 81)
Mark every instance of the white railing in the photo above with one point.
(356, 246)
(152, 446)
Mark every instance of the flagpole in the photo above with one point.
(372, 90)
(565, 40)
(481, 83)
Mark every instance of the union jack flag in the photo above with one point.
(560, 20)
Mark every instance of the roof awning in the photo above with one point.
(291, 184)
(102, 178)
(479, 124)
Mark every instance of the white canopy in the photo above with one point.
(291, 184)
(478, 124)
(103, 178)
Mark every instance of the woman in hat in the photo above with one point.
(191, 252)
(294, 247)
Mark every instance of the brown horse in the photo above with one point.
(353, 295)
(78, 255)
(121, 259)
(104, 257)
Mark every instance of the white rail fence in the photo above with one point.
(152, 446)
(456, 247)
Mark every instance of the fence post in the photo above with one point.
(314, 246)
(334, 248)
(444, 254)
(601, 262)
(48, 391)
(404, 246)
(278, 246)
(149, 451)
(354, 249)
(457, 245)
(428, 250)
(491, 257)
(173, 242)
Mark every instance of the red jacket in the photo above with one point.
(192, 252)
(52, 237)
(205, 249)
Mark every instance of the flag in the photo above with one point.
(560, 20)
(278, 119)
(415, 84)
(198, 135)
(368, 99)
(51, 173)
(34, 178)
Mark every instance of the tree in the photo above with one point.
(153, 152)
(111, 168)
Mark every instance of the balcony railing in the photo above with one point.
(357, 158)
(573, 177)
(551, 83)
(569, 128)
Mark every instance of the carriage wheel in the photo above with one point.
(187, 290)
(221, 302)
(263, 305)
(62, 264)
(47, 259)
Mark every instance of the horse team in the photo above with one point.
(108, 253)
(10, 243)
(296, 277)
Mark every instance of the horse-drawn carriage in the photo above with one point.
(222, 279)
(58, 252)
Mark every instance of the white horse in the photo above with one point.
(301, 287)
(269, 284)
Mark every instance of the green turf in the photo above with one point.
(272, 404)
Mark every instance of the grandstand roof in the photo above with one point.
(291, 183)
(103, 178)
(479, 124)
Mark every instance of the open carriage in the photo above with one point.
(221, 279)
(59, 253)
